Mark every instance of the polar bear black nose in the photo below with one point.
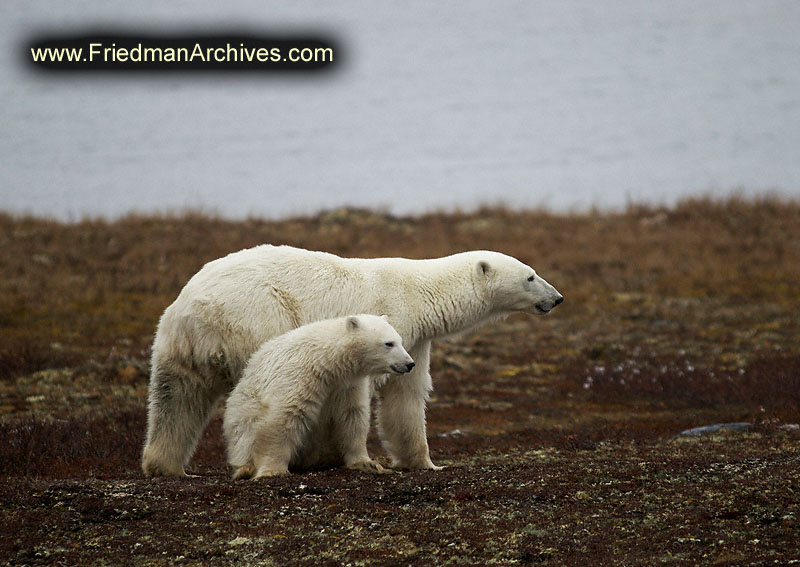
(560, 299)
(410, 365)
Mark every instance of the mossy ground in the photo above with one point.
(560, 434)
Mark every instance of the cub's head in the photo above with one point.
(512, 286)
(381, 345)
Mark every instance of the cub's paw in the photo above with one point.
(244, 472)
(263, 473)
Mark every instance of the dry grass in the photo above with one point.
(559, 432)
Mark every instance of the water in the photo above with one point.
(566, 105)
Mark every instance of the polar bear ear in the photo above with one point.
(352, 323)
(482, 268)
(385, 318)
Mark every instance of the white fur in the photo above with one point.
(234, 304)
(307, 388)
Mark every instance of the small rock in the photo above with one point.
(453, 433)
(709, 429)
(42, 259)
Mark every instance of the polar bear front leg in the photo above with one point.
(401, 414)
(349, 412)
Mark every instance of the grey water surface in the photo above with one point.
(431, 105)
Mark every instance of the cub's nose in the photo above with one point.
(402, 368)
(560, 299)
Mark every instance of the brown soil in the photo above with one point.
(560, 434)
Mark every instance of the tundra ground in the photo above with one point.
(561, 435)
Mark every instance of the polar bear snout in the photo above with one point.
(545, 307)
(536, 296)
(402, 368)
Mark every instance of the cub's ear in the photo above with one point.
(482, 268)
(352, 323)
(385, 318)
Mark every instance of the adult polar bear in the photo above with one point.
(234, 304)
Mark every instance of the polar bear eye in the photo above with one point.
(531, 278)
(389, 344)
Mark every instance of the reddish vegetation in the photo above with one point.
(560, 433)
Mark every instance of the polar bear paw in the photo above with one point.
(370, 466)
(424, 465)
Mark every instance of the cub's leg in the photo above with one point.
(271, 455)
(280, 436)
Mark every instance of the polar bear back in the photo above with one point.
(234, 304)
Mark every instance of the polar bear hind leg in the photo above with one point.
(179, 408)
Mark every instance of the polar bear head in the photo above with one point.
(513, 286)
(379, 344)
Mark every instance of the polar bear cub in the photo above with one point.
(310, 384)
